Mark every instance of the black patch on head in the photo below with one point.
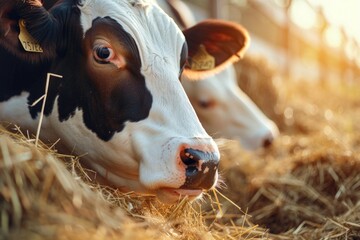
(67, 40)
(105, 110)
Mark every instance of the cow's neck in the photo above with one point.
(18, 76)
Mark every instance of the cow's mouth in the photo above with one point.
(172, 195)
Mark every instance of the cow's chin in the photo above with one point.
(173, 195)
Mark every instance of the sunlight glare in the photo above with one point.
(342, 14)
(333, 37)
(350, 49)
(302, 15)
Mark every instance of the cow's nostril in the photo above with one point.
(189, 157)
(268, 142)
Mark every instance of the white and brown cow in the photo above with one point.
(119, 100)
(222, 107)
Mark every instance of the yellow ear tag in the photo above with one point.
(202, 60)
(27, 41)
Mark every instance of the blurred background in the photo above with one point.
(314, 40)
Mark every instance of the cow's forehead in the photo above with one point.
(154, 32)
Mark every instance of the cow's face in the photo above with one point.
(134, 121)
(226, 111)
(120, 101)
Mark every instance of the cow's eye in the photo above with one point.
(207, 104)
(103, 54)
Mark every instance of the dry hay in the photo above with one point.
(312, 193)
(306, 186)
(42, 198)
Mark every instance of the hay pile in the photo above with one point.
(300, 188)
(41, 197)
(306, 186)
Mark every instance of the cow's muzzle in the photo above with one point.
(200, 168)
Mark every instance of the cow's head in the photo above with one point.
(226, 111)
(223, 109)
(120, 100)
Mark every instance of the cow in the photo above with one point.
(119, 102)
(222, 107)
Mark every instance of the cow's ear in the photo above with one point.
(214, 44)
(24, 27)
